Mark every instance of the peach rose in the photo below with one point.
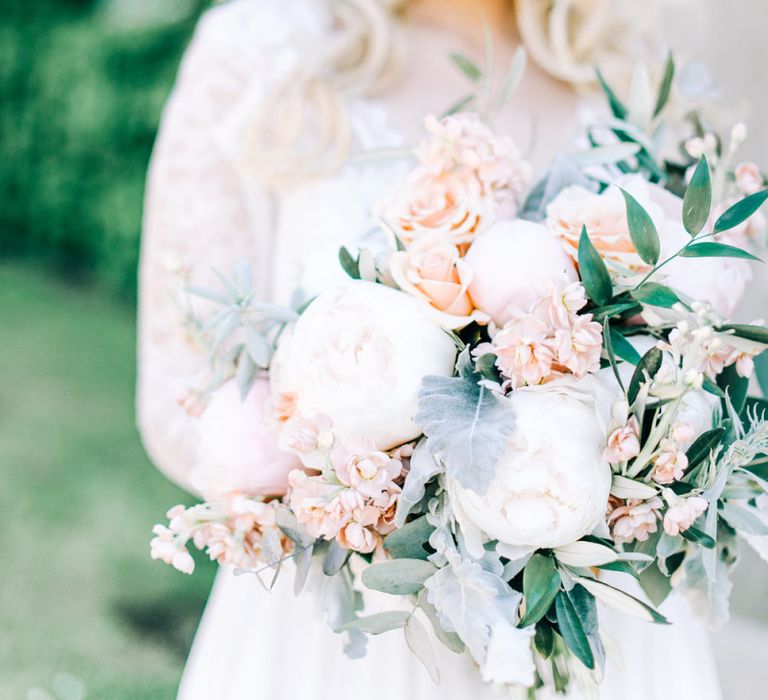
(432, 269)
(452, 205)
(238, 450)
(514, 265)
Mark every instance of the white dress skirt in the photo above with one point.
(204, 210)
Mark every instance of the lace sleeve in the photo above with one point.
(202, 212)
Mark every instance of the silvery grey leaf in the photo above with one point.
(274, 311)
(243, 277)
(303, 562)
(423, 468)
(563, 173)
(420, 644)
(258, 346)
(291, 527)
(335, 558)
(470, 602)
(379, 623)
(709, 597)
(450, 640)
(398, 576)
(205, 293)
(245, 373)
(744, 519)
(467, 426)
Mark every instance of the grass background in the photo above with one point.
(78, 498)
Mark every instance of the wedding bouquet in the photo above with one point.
(535, 401)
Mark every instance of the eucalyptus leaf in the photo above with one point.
(666, 85)
(467, 66)
(608, 343)
(655, 294)
(467, 426)
(617, 107)
(621, 601)
(623, 348)
(513, 77)
(606, 155)
(642, 230)
(655, 584)
(703, 445)
(408, 541)
(648, 366)
(399, 576)
(572, 630)
(709, 249)
(303, 562)
(759, 334)
(420, 644)
(335, 558)
(563, 173)
(693, 534)
(258, 346)
(379, 622)
(697, 201)
(613, 310)
(740, 211)
(594, 273)
(349, 263)
(541, 582)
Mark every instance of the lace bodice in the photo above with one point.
(205, 207)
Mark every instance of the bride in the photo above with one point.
(260, 156)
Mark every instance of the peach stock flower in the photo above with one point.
(578, 347)
(523, 352)
(623, 443)
(681, 517)
(635, 520)
(431, 269)
(464, 141)
(368, 470)
(749, 179)
(670, 465)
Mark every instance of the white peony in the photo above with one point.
(358, 355)
(514, 264)
(552, 486)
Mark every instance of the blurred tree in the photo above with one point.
(82, 85)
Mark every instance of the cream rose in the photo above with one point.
(238, 450)
(357, 355)
(452, 204)
(552, 486)
(433, 271)
(514, 264)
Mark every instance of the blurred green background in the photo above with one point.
(84, 612)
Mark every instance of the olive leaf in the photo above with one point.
(594, 273)
(698, 199)
(642, 230)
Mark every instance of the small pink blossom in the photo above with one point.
(317, 505)
(523, 352)
(635, 520)
(357, 537)
(749, 179)
(683, 434)
(464, 141)
(680, 517)
(306, 435)
(565, 302)
(670, 465)
(579, 347)
(165, 547)
(368, 470)
(623, 443)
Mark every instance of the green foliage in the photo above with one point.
(642, 230)
(594, 274)
(698, 199)
(80, 100)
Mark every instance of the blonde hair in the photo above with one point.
(302, 131)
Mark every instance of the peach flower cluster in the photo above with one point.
(239, 531)
(466, 176)
(634, 519)
(550, 340)
(681, 516)
(623, 443)
(353, 500)
(708, 351)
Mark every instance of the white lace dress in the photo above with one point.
(205, 210)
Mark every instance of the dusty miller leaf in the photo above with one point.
(467, 426)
